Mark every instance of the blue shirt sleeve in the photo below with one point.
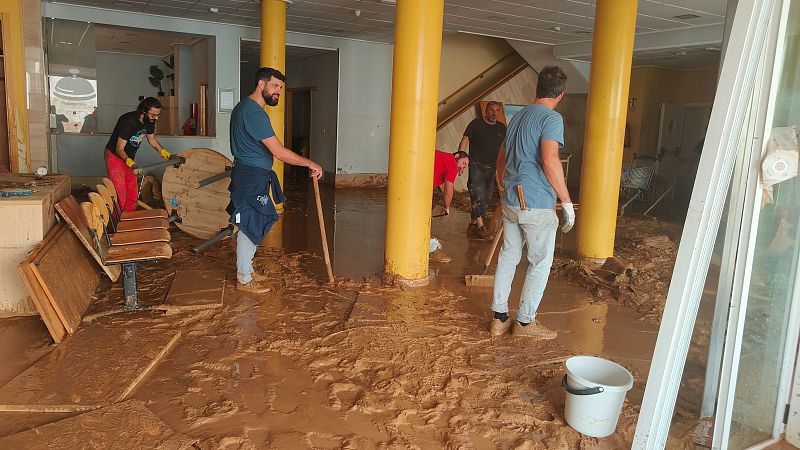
(553, 129)
(258, 126)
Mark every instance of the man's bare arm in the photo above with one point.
(448, 196)
(464, 144)
(554, 171)
(121, 143)
(151, 139)
(284, 154)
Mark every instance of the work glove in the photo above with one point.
(130, 163)
(165, 154)
(568, 211)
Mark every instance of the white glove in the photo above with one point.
(569, 217)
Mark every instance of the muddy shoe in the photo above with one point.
(472, 231)
(499, 327)
(438, 256)
(252, 288)
(259, 278)
(535, 330)
(483, 233)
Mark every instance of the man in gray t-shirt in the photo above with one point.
(531, 178)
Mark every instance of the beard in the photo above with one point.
(270, 100)
(491, 119)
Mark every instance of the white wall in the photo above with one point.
(121, 79)
(322, 72)
(364, 79)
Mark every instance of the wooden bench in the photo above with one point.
(127, 255)
(116, 223)
(137, 231)
(129, 215)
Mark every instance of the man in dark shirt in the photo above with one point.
(482, 139)
(254, 184)
(132, 128)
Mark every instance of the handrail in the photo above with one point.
(483, 93)
(476, 78)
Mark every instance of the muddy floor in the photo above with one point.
(359, 364)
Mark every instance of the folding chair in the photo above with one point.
(130, 236)
(130, 215)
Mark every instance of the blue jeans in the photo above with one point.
(535, 228)
(481, 186)
(245, 250)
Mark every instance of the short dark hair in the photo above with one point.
(147, 104)
(267, 73)
(491, 103)
(552, 82)
(460, 154)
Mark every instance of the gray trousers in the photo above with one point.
(535, 228)
(245, 250)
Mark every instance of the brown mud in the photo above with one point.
(359, 364)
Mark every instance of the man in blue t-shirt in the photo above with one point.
(528, 163)
(254, 145)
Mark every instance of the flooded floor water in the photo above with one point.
(359, 364)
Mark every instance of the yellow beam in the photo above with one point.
(609, 81)
(415, 86)
(16, 95)
(273, 54)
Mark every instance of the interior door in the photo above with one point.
(670, 134)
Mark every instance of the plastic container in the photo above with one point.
(595, 389)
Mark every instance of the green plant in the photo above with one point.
(170, 63)
(156, 76)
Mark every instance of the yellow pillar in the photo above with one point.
(415, 89)
(273, 54)
(609, 81)
(16, 94)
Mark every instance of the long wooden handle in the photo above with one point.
(322, 232)
(498, 234)
(521, 198)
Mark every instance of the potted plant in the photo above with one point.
(156, 76)
(171, 75)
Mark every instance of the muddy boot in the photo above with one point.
(472, 231)
(252, 288)
(483, 233)
(499, 327)
(438, 256)
(534, 329)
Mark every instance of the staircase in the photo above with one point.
(479, 87)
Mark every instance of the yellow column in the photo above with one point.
(16, 94)
(273, 54)
(609, 81)
(415, 89)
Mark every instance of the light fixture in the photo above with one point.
(213, 10)
(358, 13)
(389, 2)
(686, 17)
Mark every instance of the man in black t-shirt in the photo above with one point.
(483, 138)
(132, 128)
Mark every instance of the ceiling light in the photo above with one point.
(389, 2)
(680, 53)
(686, 16)
(213, 10)
(712, 49)
(358, 13)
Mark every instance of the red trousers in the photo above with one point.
(124, 180)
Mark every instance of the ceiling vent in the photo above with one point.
(687, 16)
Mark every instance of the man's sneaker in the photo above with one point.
(472, 231)
(483, 232)
(252, 288)
(439, 257)
(534, 329)
(499, 327)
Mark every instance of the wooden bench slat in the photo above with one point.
(138, 252)
(144, 214)
(140, 237)
(143, 224)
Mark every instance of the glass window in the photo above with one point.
(99, 72)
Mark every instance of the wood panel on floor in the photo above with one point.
(97, 366)
(71, 212)
(196, 289)
(202, 210)
(127, 425)
(67, 275)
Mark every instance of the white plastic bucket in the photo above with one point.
(595, 390)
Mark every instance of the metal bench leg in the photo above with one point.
(223, 233)
(129, 286)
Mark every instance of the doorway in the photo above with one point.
(298, 126)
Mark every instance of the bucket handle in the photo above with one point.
(587, 391)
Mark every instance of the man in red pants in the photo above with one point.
(132, 128)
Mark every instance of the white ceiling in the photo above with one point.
(138, 41)
(543, 21)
